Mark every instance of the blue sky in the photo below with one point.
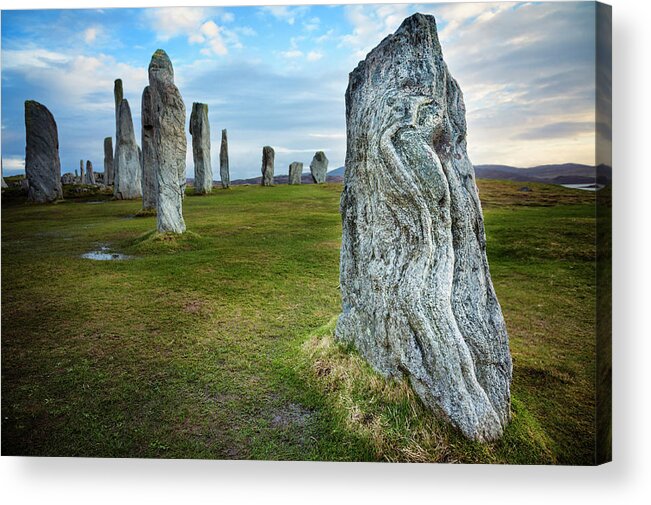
(277, 76)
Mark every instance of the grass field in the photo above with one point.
(219, 344)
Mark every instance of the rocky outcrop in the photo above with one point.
(67, 178)
(319, 167)
(268, 156)
(295, 172)
(127, 182)
(200, 131)
(224, 171)
(417, 296)
(169, 141)
(42, 164)
(108, 161)
(148, 157)
(90, 175)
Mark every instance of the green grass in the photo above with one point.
(218, 344)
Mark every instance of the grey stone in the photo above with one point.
(90, 175)
(319, 167)
(224, 171)
(200, 131)
(295, 172)
(118, 96)
(127, 177)
(82, 175)
(149, 177)
(4, 184)
(42, 164)
(268, 155)
(108, 161)
(417, 296)
(68, 178)
(170, 144)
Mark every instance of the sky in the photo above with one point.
(277, 76)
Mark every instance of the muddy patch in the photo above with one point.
(291, 414)
(104, 253)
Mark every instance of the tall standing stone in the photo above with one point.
(417, 296)
(82, 176)
(149, 177)
(90, 175)
(118, 96)
(127, 184)
(170, 144)
(200, 131)
(42, 164)
(319, 167)
(268, 155)
(224, 171)
(108, 161)
(295, 172)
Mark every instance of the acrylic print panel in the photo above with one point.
(332, 233)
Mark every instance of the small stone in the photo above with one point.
(224, 173)
(200, 131)
(319, 167)
(268, 155)
(295, 172)
(42, 163)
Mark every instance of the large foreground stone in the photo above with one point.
(295, 172)
(148, 155)
(319, 167)
(268, 155)
(418, 301)
(127, 182)
(224, 171)
(42, 164)
(108, 161)
(169, 141)
(200, 131)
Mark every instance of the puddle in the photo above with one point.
(104, 254)
(94, 202)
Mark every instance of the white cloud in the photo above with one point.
(90, 34)
(314, 56)
(12, 163)
(286, 13)
(312, 24)
(292, 53)
(227, 17)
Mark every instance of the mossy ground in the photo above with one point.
(218, 344)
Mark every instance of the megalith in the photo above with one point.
(82, 176)
(90, 175)
(224, 172)
(268, 155)
(108, 161)
(169, 141)
(127, 182)
(417, 297)
(295, 172)
(200, 131)
(319, 167)
(148, 161)
(118, 95)
(42, 163)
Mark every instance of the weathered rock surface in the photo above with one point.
(67, 178)
(200, 131)
(90, 175)
(418, 300)
(148, 157)
(42, 164)
(4, 184)
(82, 175)
(319, 167)
(118, 96)
(224, 170)
(127, 182)
(268, 155)
(170, 144)
(108, 161)
(295, 172)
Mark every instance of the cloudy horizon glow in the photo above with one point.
(277, 76)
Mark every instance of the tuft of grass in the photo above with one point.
(145, 213)
(154, 242)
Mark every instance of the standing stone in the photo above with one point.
(200, 131)
(67, 178)
(224, 172)
(82, 177)
(90, 176)
(149, 178)
(127, 183)
(170, 144)
(295, 172)
(4, 184)
(118, 96)
(417, 296)
(108, 161)
(268, 155)
(42, 164)
(319, 167)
